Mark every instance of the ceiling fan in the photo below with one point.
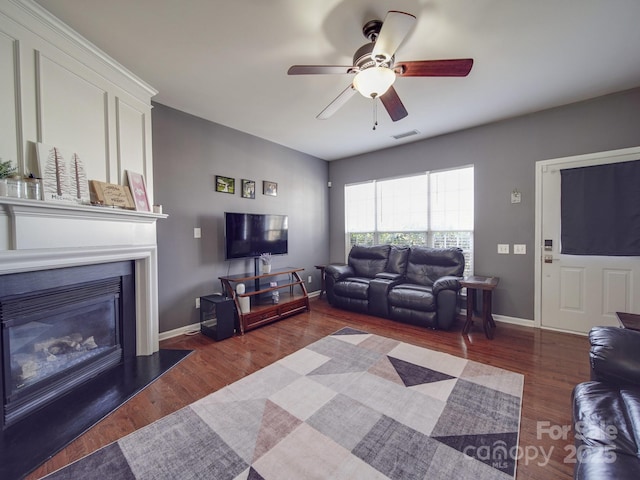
(375, 68)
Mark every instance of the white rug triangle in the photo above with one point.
(244, 475)
(438, 390)
(354, 339)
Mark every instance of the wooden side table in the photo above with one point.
(322, 284)
(487, 285)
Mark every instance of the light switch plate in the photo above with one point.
(197, 233)
(519, 249)
(503, 248)
(516, 197)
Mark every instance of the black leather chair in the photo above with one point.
(606, 410)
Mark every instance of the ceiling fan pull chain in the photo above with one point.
(375, 112)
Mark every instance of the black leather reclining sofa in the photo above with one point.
(606, 410)
(417, 285)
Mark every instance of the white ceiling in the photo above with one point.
(226, 61)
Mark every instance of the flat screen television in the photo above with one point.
(248, 235)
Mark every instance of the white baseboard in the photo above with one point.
(582, 334)
(179, 331)
(523, 322)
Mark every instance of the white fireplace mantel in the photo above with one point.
(25, 221)
(42, 235)
(26, 207)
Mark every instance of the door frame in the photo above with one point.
(541, 167)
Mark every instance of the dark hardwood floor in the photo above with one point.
(552, 363)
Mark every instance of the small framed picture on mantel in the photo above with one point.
(138, 191)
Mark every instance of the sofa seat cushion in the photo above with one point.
(413, 297)
(353, 287)
(607, 424)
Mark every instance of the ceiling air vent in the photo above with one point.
(405, 134)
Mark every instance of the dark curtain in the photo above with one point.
(600, 209)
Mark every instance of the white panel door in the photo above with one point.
(578, 292)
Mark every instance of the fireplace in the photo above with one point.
(45, 247)
(60, 328)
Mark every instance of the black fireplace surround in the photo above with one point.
(61, 328)
(68, 353)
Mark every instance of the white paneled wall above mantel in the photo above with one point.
(59, 89)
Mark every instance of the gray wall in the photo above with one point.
(188, 152)
(504, 156)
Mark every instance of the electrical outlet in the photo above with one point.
(197, 302)
(503, 248)
(519, 249)
(309, 279)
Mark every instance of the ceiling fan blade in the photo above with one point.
(435, 68)
(339, 101)
(319, 69)
(395, 28)
(393, 104)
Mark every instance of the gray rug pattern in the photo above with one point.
(350, 406)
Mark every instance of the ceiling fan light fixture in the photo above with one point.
(373, 82)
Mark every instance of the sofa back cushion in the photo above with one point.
(369, 261)
(398, 257)
(426, 265)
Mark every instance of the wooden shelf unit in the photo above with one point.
(293, 296)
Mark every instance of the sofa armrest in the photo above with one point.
(446, 283)
(338, 271)
(615, 355)
(379, 289)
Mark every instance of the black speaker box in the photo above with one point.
(217, 316)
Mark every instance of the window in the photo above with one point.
(432, 208)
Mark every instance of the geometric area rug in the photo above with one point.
(352, 405)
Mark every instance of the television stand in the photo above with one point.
(293, 297)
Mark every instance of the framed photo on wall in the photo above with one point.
(138, 191)
(248, 189)
(225, 184)
(270, 188)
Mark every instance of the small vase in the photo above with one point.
(16, 188)
(266, 268)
